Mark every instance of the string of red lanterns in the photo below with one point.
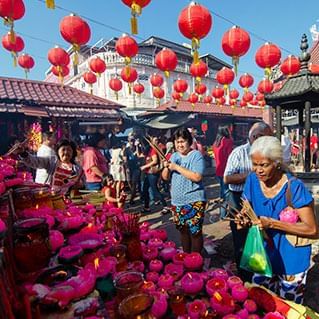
(166, 61)
(116, 85)
(267, 56)
(26, 62)
(14, 47)
(97, 65)
(90, 78)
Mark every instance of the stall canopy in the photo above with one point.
(43, 99)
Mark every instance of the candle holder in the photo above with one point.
(119, 252)
(31, 244)
(128, 283)
(56, 275)
(177, 302)
(137, 306)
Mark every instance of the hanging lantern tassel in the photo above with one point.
(129, 89)
(76, 49)
(127, 72)
(198, 79)
(91, 89)
(226, 89)
(50, 4)
(166, 73)
(267, 73)
(127, 60)
(12, 36)
(61, 78)
(136, 11)
(14, 56)
(26, 71)
(195, 47)
(116, 95)
(158, 102)
(235, 62)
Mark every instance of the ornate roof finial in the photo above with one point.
(305, 55)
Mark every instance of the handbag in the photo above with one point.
(295, 240)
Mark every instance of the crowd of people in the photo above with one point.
(257, 171)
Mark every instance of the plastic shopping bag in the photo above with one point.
(255, 258)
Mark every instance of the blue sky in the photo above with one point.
(282, 22)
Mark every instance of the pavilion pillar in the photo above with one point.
(278, 122)
(307, 135)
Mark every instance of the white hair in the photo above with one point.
(269, 147)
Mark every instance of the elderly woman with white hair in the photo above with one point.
(271, 189)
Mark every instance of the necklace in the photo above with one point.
(275, 189)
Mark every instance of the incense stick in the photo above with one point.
(156, 148)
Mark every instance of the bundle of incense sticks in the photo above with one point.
(127, 223)
(16, 146)
(248, 211)
(156, 148)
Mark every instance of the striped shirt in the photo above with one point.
(238, 162)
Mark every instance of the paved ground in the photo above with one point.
(218, 237)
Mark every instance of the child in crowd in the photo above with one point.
(109, 191)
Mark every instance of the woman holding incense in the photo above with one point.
(285, 210)
(185, 169)
(151, 171)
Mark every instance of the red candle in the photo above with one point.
(102, 267)
(148, 286)
(233, 281)
(196, 309)
(239, 293)
(155, 242)
(179, 258)
(215, 284)
(168, 253)
(165, 281)
(152, 276)
(175, 270)
(193, 261)
(155, 265)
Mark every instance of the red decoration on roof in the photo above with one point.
(60, 71)
(97, 65)
(233, 94)
(193, 98)
(58, 57)
(136, 9)
(90, 78)
(235, 43)
(218, 92)
(75, 31)
(158, 92)
(129, 74)
(166, 61)
(290, 66)
(176, 96)
(195, 22)
(267, 56)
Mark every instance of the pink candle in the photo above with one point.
(70, 254)
(243, 313)
(179, 258)
(102, 267)
(239, 293)
(148, 286)
(250, 305)
(215, 284)
(165, 281)
(220, 273)
(169, 244)
(155, 265)
(155, 242)
(175, 270)
(159, 307)
(192, 283)
(193, 261)
(196, 309)
(222, 302)
(168, 253)
(274, 315)
(145, 235)
(56, 240)
(233, 281)
(152, 276)
(150, 253)
(137, 265)
(160, 233)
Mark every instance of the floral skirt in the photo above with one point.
(190, 215)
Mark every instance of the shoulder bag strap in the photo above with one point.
(288, 194)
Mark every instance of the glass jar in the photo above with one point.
(136, 306)
(119, 252)
(31, 244)
(133, 244)
(23, 198)
(128, 283)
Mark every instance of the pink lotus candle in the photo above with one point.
(137, 265)
(150, 253)
(192, 283)
(72, 222)
(155, 242)
(169, 244)
(148, 286)
(90, 228)
(168, 253)
(112, 262)
(215, 284)
(69, 254)
(239, 293)
(165, 281)
(222, 302)
(196, 309)
(152, 276)
(86, 240)
(159, 307)
(145, 235)
(102, 267)
(56, 240)
(233, 281)
(220, 273)
(179, 258)
(250, 305)
(193, 261)
(175, 270)
(155, 265)
(243, 313)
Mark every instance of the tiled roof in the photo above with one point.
(212, 109)
(36, 98)
(314, 51)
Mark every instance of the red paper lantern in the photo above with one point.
(14, 47)
(90, 78)
(248, 96)
(193, 98)
(225, 77)
(235, 43)
(75, 31)
(290, 66)
(260, 96)
(253, 102)
(166, 61)
(158, 93)
(126, 47)
(26, 62)
(60, 71)
(138, 88)
(265, 86)
(217, 92)
(246, 81)
(136, 9)
(11, 10)
(267, 56)
(58, 56)
(116, 85)
(208, 99)
(233, 103)
(97, 65)
(128, 74)
(180, 86)
(262, 103)
(222, 100)
(200, 88)
(156, 80)
(198, 70)
(243, 104)
(176, 96)
(195, 22)
(233, 94)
